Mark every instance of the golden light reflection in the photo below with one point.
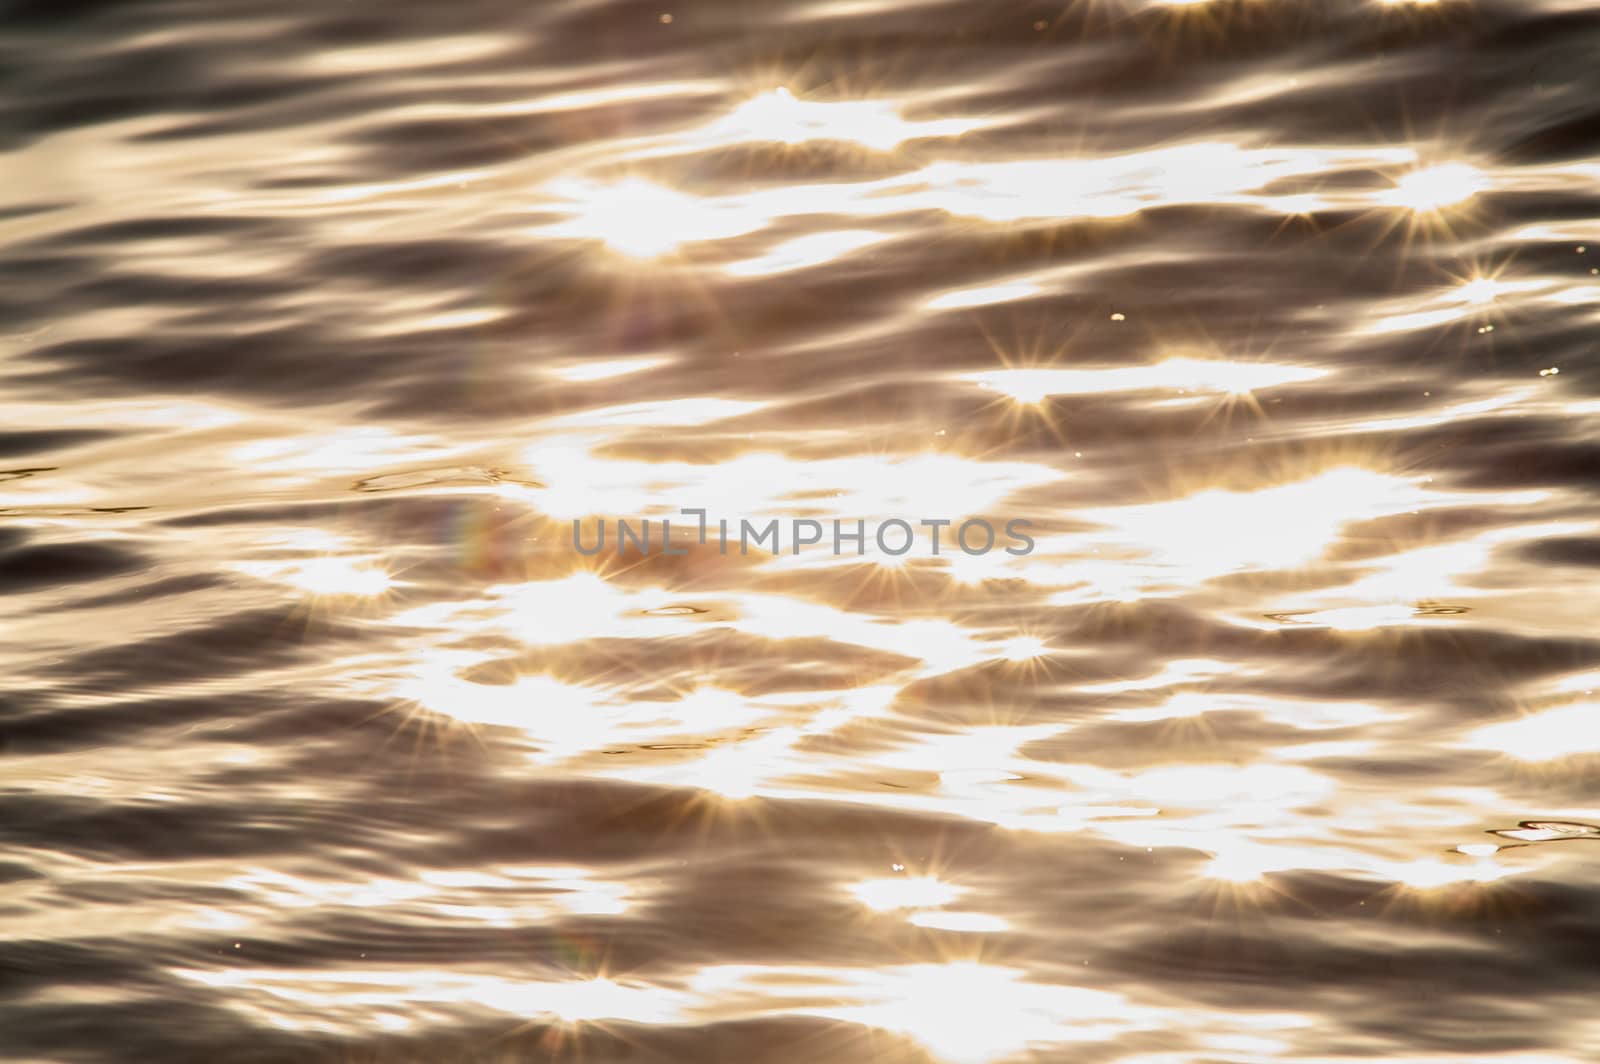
(740, 770)
(963, 1011)
(658, 413)
(976, 568)
(1564, 731)
(325, 576)
(617, 92)
(1175, 374)
(427, 316)
(844, 707)
(922, 892)
(1023, 648)
(1240, 862)
(407, 55)
(563, 714)
(974, 763)
(1296, 713)
(313, 457)
(1356, 618)
(1169, 673)
(564, 720)
(1500, 398)
(1478, 296)
(644, 220)
(980, 923)
(347, 999)
(780, 116)
(578, 483)
(803, 252)
(584, 606)
(1120, 185)
(499, 895)
(1218, 531)
(1433, 188)
(1079, 817)
(1431, 874)
(603, 369)
(320, 564)
(983, 296)
(1267, 786)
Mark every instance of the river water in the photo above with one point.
(1269, 323)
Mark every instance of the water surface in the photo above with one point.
(320, 323)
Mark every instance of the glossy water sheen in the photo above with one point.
(321, 321)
